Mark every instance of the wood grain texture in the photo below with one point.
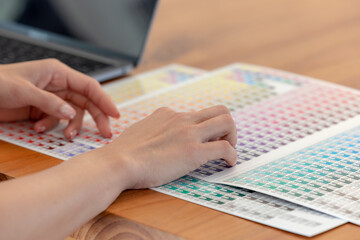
(315, 38)
(4, 177)
(109, 226)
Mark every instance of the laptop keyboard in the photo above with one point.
(13, 50)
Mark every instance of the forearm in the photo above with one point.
(55, 202)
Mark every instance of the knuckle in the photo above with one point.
(164, 110)
(223, 109)
(88, 105)
(55, 69)
(18, 90)
(67, 95)
(192, 153)
(187, 132)
(53, 62)
(227, 119)
(181, 116)
(95, 83)
(225, 147)
(91, 87)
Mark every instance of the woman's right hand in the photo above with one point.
(167, 145)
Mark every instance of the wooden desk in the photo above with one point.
(315, 38)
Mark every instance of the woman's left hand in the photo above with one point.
(47, 91)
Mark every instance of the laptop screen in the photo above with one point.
(120, 26)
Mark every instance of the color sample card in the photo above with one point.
(53, 142)
(55, 145)
(251, 205)
(135, 86)
(299, 108)
(324, 176)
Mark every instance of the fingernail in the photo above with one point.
(67, 111)
(40, 129)
(73, 134)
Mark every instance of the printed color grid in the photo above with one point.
(325, 176)
(126, 89)
(251, 205)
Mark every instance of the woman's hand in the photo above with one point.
(167, 145)
(47, 91)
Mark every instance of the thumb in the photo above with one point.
(50, 103)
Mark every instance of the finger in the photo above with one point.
(210, 112)
(87, 87)
(103, 124)
(18, 114)
(46, 124)
(75, 124)
(220, 150)
(48, 102)
(101, 119)
(219, 127)
(35, 114)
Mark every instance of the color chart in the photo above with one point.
(324, 176)
(267, 144)
(278, 114)
(56, 145)
(251, 205)
(272, 109)
(288, 121)
(142, 84)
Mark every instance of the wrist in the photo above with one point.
(109, 168)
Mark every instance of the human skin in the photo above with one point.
(53, 203)
(47, 91)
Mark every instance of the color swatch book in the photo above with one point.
(276, 113)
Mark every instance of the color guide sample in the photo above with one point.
(251, 205)
(141, 84)
(50, 143)
(287, 118)
(53, 142)
(324, 176)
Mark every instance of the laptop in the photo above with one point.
(104, 39)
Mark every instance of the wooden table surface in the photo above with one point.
(315, 38)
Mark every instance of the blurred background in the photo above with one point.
(315, 38)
